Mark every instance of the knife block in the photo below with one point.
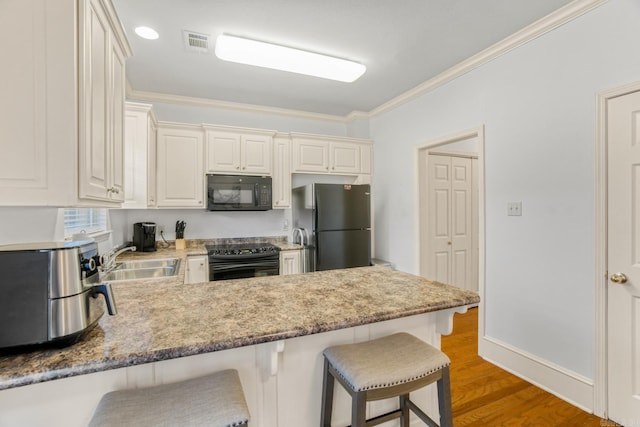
(181, 244)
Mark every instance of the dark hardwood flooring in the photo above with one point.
(485, 395)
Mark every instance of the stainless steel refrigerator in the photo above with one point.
(333, 223)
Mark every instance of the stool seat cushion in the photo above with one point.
(392, 360)
(215, 400)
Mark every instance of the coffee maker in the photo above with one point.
(144, 236)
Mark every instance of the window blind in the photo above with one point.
(88, 220)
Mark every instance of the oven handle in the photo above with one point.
(223, 267)
(273, 256)
(255, 194)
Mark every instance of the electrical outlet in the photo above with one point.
(514, 209)
(161, 229)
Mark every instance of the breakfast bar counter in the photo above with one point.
(166, 320)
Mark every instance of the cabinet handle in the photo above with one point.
(200, 202)
(237, 167)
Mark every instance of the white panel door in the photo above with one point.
(623, 229)
(450, 220)
(439, 254)
(461, 222)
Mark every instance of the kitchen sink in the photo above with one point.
(142, 269)
(148, 263)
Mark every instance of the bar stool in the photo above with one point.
(215, 400)
(391, 366)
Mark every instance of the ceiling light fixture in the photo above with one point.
(261, 54)
(147, 33)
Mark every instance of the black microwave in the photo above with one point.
(238, 193)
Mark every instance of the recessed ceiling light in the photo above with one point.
(261, 54)
(147, 33)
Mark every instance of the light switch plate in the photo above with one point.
(514, 209)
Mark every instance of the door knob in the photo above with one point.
(618, 278)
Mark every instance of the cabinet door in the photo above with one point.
(256, 154)
(345, 158)
(223, 152)
(281, 173)
(94, 116)
(23, 105)
(116, 123)
(180, 178)
(289, 262)
(136, 160)
(152, 139)
(310, 156)
(197, 269)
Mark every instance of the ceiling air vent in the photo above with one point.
(196, 42)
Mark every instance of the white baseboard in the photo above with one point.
(561, 382)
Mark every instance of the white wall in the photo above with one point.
(32, 224)
(202, 224)
(538, 107)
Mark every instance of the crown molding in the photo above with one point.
(550, 22)
(212, 103)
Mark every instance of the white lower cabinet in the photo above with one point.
(197, 269)
(180, 166)
(289, 262)
(282, 380)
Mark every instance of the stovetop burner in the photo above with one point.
(242, 249)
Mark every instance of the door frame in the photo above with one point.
(421, 222)
(600, 380)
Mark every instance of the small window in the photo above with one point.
(87, 220)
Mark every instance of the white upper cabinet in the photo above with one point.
(139, 156)
(62, 107)
(239, 151)
(281, 195)
(180, 169)
(332, 155)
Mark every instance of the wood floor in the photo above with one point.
(485, 395)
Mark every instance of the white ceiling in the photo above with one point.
(403, 43)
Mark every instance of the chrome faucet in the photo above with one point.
(110, 258)
(300, 233)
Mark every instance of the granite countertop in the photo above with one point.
(161, 319)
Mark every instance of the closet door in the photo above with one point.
(450, 229)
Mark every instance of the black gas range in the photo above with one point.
(238, 261)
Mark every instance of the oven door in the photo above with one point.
(223, 267)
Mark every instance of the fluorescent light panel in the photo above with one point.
(261, 54)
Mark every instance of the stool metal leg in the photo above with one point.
(327, 396)
(359, 409)
(404, 410)
(444, 399)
